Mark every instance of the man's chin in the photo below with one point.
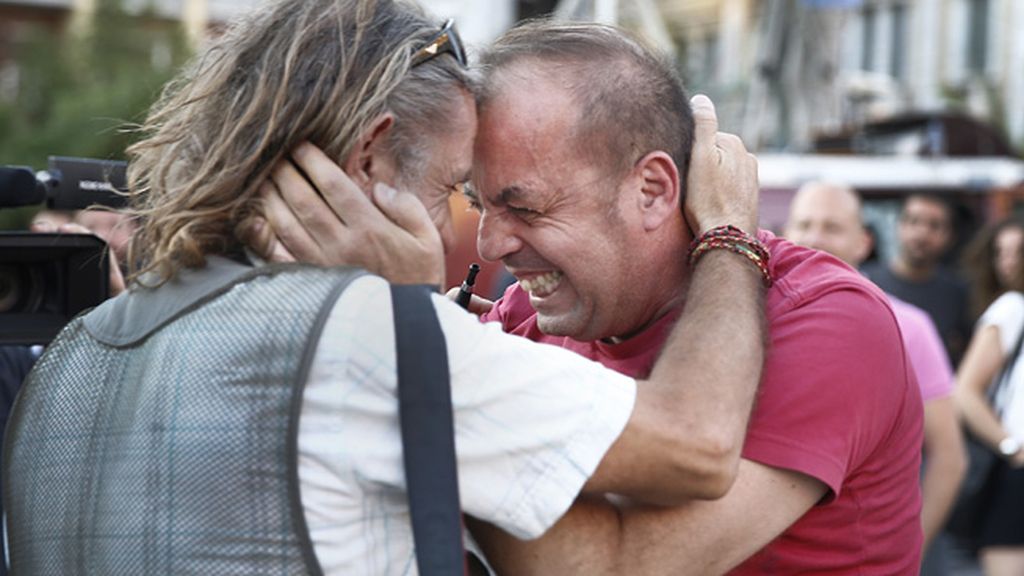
(918, 260)
(558, 325)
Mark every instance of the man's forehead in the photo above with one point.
(826, 203)
(924, 206)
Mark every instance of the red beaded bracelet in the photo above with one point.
(734, 240)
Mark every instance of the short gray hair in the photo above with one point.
(631, 101)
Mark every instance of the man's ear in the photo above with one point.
(864, 245)
(368, 161)
(659, 189)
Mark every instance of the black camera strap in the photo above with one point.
(428, 433)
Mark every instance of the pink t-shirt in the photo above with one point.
(837, 402)
(925, 349)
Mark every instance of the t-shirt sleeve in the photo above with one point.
(1007, 314)
(532, 422)
(834, 375)
(927, 354)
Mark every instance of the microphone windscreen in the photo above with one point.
(19, 187)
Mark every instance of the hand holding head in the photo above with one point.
(722, 184)
(328, 220)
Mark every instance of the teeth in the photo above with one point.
(542, 285)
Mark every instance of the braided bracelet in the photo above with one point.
(734, 240)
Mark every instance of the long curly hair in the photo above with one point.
(293, 71)
(979, 262)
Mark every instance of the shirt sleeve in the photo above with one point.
(1007, 314)
(834, 377)
(926, 352)
(532, 421)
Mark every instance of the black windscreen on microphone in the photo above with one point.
(20, 187)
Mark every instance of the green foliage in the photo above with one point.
(77, 92)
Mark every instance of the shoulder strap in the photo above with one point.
(1004, 376)
(428, 434)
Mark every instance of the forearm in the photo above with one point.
(585, 540)
(945, 465)
(979, 418)
(980, 365)
(718, 348)
(938, 491)
(699, 537)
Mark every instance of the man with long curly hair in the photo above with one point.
(228, 416)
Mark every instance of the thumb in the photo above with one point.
(705, 121)
(405, 210)
(479, 305)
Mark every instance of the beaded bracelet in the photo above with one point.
(734, 240)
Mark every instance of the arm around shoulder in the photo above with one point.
(686, 432)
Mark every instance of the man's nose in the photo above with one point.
(496, 237)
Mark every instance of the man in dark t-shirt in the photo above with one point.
(917, 276)
(15, 363)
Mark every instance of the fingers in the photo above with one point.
(730, 143)
(42, 227)
(304, 200)
(705, 122)
(478, 305)
(289, 233)
(116, 276)
(341, 194)
(405, 210)
(72, 228)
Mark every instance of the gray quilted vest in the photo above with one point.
(158, 434)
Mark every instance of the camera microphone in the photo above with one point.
(66, 184)
(20, 187)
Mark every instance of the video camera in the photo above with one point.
(47, 279)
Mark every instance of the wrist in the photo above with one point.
(1009, 447)
(735, 240)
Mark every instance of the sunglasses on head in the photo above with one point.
(446, 41)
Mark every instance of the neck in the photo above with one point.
(659, 313)
(665, 292)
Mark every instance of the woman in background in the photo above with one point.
(996, 415)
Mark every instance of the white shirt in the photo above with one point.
(532, 422)
(1007, 314)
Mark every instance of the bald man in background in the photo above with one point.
(827, 217)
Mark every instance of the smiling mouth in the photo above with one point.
(543, 285)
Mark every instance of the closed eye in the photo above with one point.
(470, 195)
(521, 211)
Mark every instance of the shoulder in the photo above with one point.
(1009, 302)
(924, 349)
(1006, 312)
(823, 313)
(910, 318)
(802, 277)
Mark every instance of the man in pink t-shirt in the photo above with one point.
(587, 217)
(827, 216)
(837, 404)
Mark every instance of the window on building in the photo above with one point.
(868, 17)
(534, 8)
(710, 58)
(898, 47)
(977, 35)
